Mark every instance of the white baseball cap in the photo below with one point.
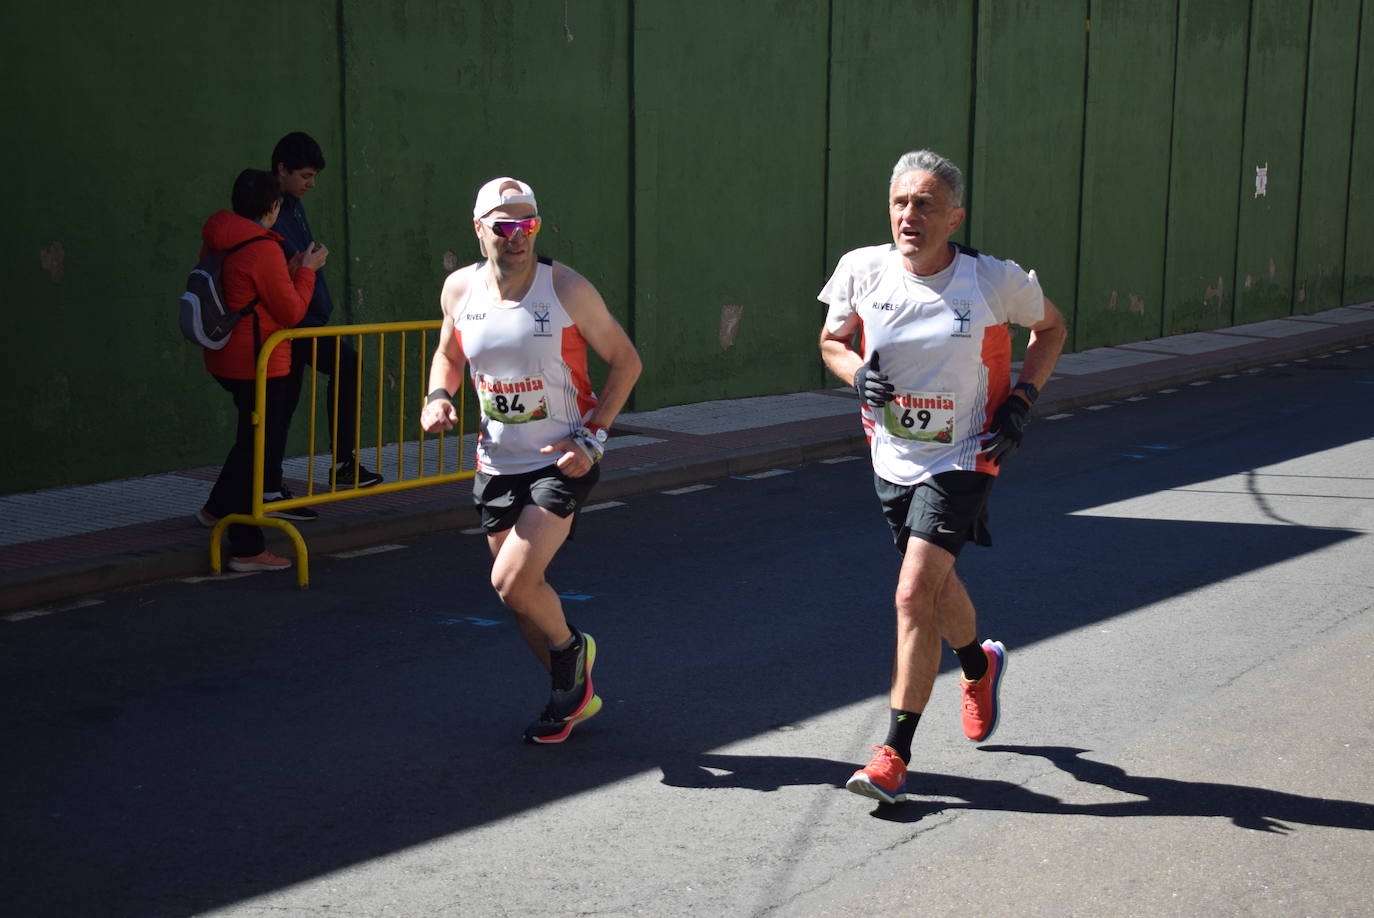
(491, 196)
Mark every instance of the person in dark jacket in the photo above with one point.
(297, 161)
(257, 272)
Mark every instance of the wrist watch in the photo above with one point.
(1032, 393)
(599, 432)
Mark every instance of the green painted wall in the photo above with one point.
(1333, 52)
(1025, 182)
(704, 164)
(1359, 239)
(1268, 218)
(1205, 164)
(1126, 139)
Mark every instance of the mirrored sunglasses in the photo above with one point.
(507, 228)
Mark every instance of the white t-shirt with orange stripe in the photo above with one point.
(945, 344)
(528, 364)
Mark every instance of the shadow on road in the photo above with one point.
(1247, 807)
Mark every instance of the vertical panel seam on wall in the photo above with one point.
(1350, 165)
(1240, 164)
(632, 199)
(1082, 173)
(829, 137)
(971, 178)
(342, 45)
(1302, 158)
(826, 161)
(1169, 166)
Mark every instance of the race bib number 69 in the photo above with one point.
(923, 416)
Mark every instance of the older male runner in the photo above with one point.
(941, 414)
(521, 324)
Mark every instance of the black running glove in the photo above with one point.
(872, 385)
(1008, 427)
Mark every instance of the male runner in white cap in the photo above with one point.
(521, 325)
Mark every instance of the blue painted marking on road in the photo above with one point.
(470, 620)
(1134, 456)
(1155, 446)
(575, 597)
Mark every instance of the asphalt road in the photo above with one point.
(1184, 584)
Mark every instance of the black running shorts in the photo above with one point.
(500, 498)
(948, 509)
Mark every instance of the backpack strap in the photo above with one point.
(255, 300)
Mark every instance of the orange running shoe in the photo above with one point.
(981, 707)
(883, 778)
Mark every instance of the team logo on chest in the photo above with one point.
(963, 318)
(541, 320)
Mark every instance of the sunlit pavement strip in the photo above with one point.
(227, 575)
(374, 550)
(1097, 407)
(51, 610)
(1058, 417)
(839, 459)
(690, 489)
(726, 415)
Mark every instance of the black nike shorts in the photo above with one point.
(500, 498)
(948, 509)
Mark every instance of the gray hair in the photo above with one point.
(936, 165)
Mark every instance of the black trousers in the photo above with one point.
(344, 375)
(233, 490)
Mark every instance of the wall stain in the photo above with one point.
(53, 259)
(1219, 291)
(1137, 305)
(729, 325)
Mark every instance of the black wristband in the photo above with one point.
(1032, 393)
(439, 395)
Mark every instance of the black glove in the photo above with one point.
(872, 385)
(1008, 427)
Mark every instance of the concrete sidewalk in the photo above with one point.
(66, 542)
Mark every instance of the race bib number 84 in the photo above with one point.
(924, 416)
(514, 401)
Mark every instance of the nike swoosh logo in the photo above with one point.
(943, 531)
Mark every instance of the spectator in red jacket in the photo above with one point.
(256, 274)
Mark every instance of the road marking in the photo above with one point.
(1229, 375)
(470, 620)
(227, 575)
(1059, 417)
(690, 489)
(51, 610)
(1201, 382)
(771, 473)
(606, 505)
(1167, 391)
(575, 596)
(1097, 407)
(362, 552)
(840, 459)
(1138, 398)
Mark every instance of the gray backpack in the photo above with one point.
(205, 318)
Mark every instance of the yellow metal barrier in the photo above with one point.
(345, 490)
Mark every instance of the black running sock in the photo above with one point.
(973, 660)
(563, 663)
(900, 729)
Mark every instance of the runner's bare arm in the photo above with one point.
(836, 353)
(1042, 353)
(446, 370)
(605, 336)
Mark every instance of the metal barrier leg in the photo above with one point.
(302, 555)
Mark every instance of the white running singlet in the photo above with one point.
(945, 344)
(528, 364)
